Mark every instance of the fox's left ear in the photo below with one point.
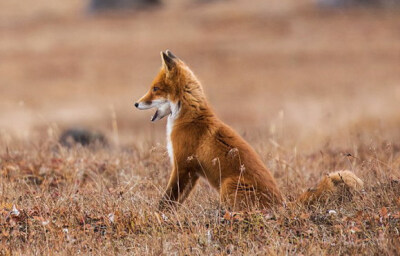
(168, 61)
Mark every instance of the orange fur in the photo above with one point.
(201, 145)
(336, 183)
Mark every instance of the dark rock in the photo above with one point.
(84, 137)
(110, 5)
(357, 3)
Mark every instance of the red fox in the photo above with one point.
(200, 145)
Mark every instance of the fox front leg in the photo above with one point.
(179, 187)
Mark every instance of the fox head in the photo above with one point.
(168, 88)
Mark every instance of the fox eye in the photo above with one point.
(155, 89)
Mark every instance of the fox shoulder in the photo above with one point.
(332, 186)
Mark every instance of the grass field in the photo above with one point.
(312, 90)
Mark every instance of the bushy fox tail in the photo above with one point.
(337, 185)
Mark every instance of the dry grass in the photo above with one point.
(104, 202)
(313, 91)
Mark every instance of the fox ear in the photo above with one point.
(168, 62)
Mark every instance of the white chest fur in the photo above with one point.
(170, 127)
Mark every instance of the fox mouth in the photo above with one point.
(163, 108)
(162, 111)
(154, 117)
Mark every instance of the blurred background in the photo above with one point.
(300, 73)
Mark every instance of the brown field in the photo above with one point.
(312, 90)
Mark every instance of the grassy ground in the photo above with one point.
(312, 90)
(104, 202)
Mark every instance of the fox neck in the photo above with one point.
(192, 102)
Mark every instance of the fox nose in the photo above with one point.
(136, 104)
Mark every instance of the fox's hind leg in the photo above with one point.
(179, 187)
(238, 195)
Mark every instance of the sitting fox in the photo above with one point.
(200, 145)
